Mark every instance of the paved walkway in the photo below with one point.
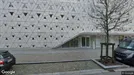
(54, 55)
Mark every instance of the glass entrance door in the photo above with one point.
(85, 41)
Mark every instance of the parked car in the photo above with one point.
(125, 51)
(7, 60)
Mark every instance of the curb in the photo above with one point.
(46, 62)
(109, 67)
(126, 69)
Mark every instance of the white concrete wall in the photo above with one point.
(42, 23)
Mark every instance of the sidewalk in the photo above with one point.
(54, 55)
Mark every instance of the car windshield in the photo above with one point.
(1, 57)
(127, 44)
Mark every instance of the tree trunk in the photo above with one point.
(107, 41)
(107, 30)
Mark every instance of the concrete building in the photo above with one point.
(50, 24)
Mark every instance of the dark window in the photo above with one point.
(32, 25)
(72, 29)
(50, 35)
(5, 24)
(71, 43)
(87, 41)
(56, 18)
(38, 14)
(11, 13)
(38, 35)
(67, 18)
(25, 27)
(73, 16)
(19, 25)
(45, 25)
(44, 17)
(18, 16)
(38, 28)
(10, 5)
(12, 28)
(51, 15)
(56, 38)
(61, 35)
(50, 28)
(45, 38)
(32, 38)
(20, 45)
(62, 16)
(26, 35)
(13, 35)
(19, 38)
(25, 14)
(33, 45)
(6, 38)
(83, 41)
(7, 46)
(32, 17)
(4, 15)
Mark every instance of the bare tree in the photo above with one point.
(111, 14)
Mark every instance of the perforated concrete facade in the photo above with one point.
(42, 23)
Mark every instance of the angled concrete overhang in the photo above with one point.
(111, 33)
(98, 33)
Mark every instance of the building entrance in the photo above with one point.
(86, 41)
